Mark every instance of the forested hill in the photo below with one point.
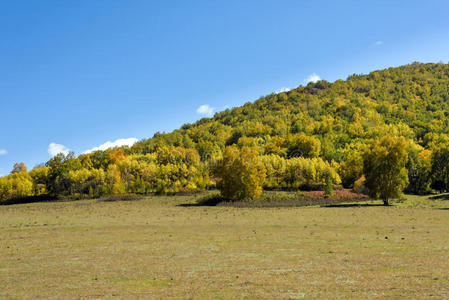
(305, 138)
(410, 101)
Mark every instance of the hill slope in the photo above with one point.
(410, 101)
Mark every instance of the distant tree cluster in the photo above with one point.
(381, 133)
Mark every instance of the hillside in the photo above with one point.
(410, 101)
(304, 138)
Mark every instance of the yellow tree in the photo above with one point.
(240, 173)
(19, 167)
(304, 146)
(384, 167)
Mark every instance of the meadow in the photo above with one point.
(161, 247)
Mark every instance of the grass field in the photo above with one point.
(154, 248)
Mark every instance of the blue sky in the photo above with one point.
(77, 74)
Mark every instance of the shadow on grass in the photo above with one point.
(47, 198)
(31, 199)
(355, 205)
(273, 201)
(209, 201)
(440, 197)
(130, 197)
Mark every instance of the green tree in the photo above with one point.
(329, 188)
(58, 181)
(440, 167)
(419, 167)
(240, 173)
(384, 168)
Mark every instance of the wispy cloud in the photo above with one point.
(3, 152)
(378, 43)
(312, 78)
(117, 143)
(54, 149)
(205, 110)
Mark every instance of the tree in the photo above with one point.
(440, 167)
(329, 187)
(114, 184)
(15, 186)
(58, 181)
(304, 146)
(351, 169)
(240, 173)
(419, 168)
(309, 173)
(19, 167)
(384, 168)
(39, 176)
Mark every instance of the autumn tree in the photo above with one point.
(419, 167)
(384, 168)
(39, 176)
(240, 173)
(351, 169)
(304, 146)
(15, 185)
(19, 167)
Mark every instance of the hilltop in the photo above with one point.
(410, 101)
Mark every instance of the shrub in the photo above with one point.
(329, 188)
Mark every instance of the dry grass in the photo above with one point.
(153, 248)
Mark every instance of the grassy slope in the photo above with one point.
(152, 248)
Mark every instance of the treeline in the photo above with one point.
(310, 137)
(167, 170)
(177, 169)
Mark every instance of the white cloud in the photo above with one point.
(378, 43)
(117, 143)
(205, 110)
(283, 90)
(312, 78)
(3, 152)
(54, 149)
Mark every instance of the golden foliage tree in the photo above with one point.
(304, 146)
(384, 167)
(240, 173)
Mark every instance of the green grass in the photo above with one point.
(154, 248)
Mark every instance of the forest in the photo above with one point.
(381, 134)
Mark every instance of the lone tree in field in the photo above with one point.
(240, 173)
(384, 168)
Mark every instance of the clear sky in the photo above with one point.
(84, 72)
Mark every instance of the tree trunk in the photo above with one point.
(386, 202)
